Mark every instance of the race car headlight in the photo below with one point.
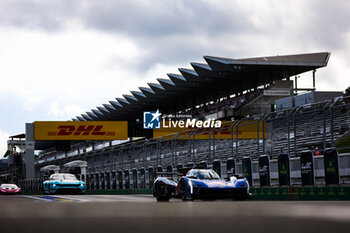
(82, 185)
(53, 185)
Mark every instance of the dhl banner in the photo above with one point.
(245, 130)
(80, 130)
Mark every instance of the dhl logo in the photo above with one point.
(71, 130)
(92, 130)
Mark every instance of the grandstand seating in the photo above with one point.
(233, 103)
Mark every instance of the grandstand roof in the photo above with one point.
(218, 77)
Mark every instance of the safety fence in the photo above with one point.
(307, 169)
(322, 177)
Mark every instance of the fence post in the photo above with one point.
(214, 144)
(263, 135)
(324, 128)
(176, 148)
(295, 134)
(257, 138)
(332, 125)
(239, 122)
(233, 124)
(145, 154)
(288, 134)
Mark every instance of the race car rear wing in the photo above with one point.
(166, 173)
(181, 172)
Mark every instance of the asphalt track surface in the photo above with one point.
(141, 213)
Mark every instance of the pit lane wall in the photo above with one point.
(271, 193)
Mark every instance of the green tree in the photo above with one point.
(347, 91)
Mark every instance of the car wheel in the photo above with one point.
(184, 195)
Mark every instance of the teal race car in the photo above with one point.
(63, 183)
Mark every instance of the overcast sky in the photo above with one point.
(60, 58)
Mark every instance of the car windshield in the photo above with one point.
(203, 174)
(63, 177)
(9, 186)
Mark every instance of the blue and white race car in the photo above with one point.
(63, 183)
(201, 184)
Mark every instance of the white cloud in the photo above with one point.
(31, 102)
(60, 110)
(82, 67)
(62, 59)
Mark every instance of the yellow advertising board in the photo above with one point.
(80, 130)
(245, 130)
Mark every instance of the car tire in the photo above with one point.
(183, 194)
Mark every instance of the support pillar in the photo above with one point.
(30, 172)
(83, 172)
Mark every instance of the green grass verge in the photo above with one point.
(302, 193)
(343, 142)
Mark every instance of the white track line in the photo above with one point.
(52, 198)
(38, 198)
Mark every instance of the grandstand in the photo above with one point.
(309, 121)
(106, 160)
(238, 90)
